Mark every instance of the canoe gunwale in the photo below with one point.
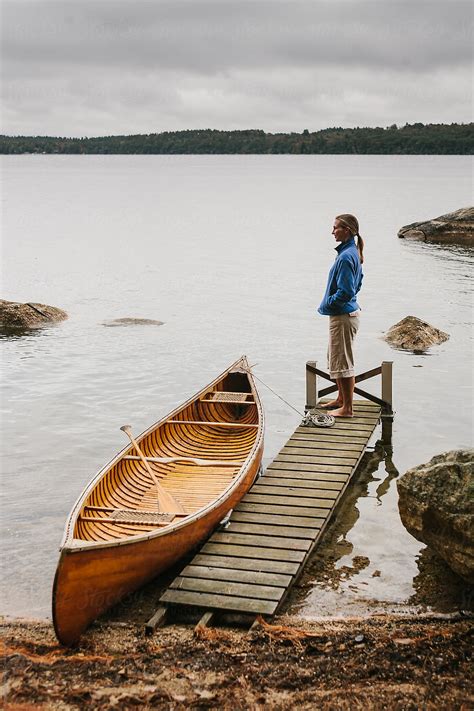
(71, 545)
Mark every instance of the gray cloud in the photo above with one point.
(88, 68)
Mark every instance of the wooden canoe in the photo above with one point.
(115, 538)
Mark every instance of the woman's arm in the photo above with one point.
(347, 288)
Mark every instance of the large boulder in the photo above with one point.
(413, 334)
(454, 228)
(436, 504)
(29, 315)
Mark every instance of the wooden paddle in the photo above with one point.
(166, 502)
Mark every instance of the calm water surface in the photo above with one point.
(232, 254)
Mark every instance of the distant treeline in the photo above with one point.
(411, 139)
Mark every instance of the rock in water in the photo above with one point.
(133, 322)
(436, 504)
(30, 315)
(453, 228)
(413, 334)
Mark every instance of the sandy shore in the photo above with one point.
(383, 662)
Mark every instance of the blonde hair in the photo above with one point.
(353, 224)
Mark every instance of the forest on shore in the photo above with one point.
(410, 139)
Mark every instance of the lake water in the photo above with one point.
(231, 253)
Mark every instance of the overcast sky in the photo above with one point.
(103, 67)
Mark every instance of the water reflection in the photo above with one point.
(323, 570)
(437, 586)
(414, 352)
(10, 333)
(390, 469)
(453, 252)
(447, 252)
(331, 585)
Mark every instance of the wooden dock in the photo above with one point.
(251, 564)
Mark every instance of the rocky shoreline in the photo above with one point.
(382, 662)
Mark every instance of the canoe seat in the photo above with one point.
(137, 516)
(129, 516)
(227, 396)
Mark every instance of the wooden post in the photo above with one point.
(387, 390)
(205, 620)
(157, 620)
(311, 386)
(387, 396)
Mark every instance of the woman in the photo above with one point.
(340, 304)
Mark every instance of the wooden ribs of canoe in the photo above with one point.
(206, 453)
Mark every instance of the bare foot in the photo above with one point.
(341, 413)
(330, 405)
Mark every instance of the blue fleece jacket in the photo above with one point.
(344, 281)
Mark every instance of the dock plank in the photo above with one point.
(259, 540)
(256, 564)
(234, 575)
(335, 436)
(292, 491)
(300, 445)
(305, 476)
(284, 510)
(316, 458)
(302, 483)
(269, 530)
(221, 602)
(283, 555)
(328, 454)
(295, 501)
(308, 467)
(347, 427)
(274, 519)
(221, 587)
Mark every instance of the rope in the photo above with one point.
(275, 393)
(313, 418)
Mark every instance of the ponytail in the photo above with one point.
(360, 248)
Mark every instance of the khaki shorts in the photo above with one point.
(342, 331)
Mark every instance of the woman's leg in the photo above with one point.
(346, 380)
(334, 403)
(346, 391)
(337, 402)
